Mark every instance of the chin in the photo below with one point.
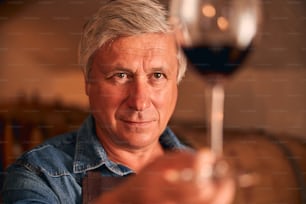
(138, 140)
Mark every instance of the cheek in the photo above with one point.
(166, 100)
(103, 98)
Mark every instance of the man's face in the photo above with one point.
(132, 89)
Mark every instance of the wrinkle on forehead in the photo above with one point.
(141, 44)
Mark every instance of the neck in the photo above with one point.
(134, 158)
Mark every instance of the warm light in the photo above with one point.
(189, 9)
(222, 23)
(209, 10)
(246, 29)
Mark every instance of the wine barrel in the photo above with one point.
(278, 161)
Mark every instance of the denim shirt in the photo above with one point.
(53, 172)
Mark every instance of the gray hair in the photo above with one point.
(117, 18)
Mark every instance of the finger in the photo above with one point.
(225, 193)
(213, 177)
(204, 166)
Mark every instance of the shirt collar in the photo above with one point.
(90, 154)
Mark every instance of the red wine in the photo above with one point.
(218, 60)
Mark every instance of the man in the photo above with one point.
(132, 67)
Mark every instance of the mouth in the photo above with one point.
(138, 123)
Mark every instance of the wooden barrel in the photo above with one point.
(279, 161)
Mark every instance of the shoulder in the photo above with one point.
(54, 157)
(45, 173)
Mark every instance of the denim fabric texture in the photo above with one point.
(53, 172)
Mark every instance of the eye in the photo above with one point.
(158, 75)
(121, 75)
(158, 79)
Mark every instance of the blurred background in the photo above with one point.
(42, 88)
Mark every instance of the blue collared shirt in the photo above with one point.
(53, 172)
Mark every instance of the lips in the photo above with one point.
(138, 122)
(137, 118)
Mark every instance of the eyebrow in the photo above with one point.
(116, 69)
(161, 69)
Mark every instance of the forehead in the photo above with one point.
(145, 45)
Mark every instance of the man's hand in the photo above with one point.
(180, 177)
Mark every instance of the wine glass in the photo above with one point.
(216, 37)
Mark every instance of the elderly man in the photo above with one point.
(132, 67)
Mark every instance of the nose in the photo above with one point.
(139, 95)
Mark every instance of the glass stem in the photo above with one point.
(215, 130)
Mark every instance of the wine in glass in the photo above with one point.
(216, 37)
